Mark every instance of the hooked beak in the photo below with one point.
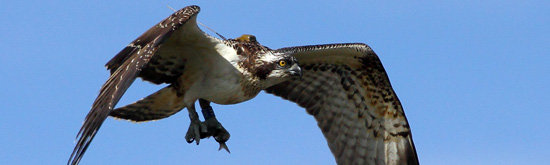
(295, 70)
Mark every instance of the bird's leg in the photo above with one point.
(194, 131)
(214, 127)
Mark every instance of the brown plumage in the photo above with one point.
(346, 89)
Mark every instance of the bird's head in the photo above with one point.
(267, 65)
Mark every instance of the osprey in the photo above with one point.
(344, 86)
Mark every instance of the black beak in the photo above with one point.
(295, 70)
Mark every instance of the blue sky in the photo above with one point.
(472, 76)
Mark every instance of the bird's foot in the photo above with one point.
(216, 130)
(211, 127)
(195, 130)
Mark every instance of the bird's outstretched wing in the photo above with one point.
(138, 59)
(346, 89)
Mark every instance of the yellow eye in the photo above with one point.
(282, 63)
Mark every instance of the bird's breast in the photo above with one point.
(218, 80)
(228, 88)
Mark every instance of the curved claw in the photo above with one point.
(224, 146)
(210, 127)
(194, 132)
(216, 130)
(189, 137)
(221, 135)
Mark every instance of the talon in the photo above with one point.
(189, 136)
(221, 135)
(211, 126)
(194, 132)
(224, 146)
(216, 130)
(197, 134)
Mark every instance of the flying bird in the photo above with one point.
(344, 86)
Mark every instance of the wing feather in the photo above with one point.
(125, 67)
(346, 89)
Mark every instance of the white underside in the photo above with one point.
(211, 70)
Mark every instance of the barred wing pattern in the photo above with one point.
(125, 67)
(346, 89)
